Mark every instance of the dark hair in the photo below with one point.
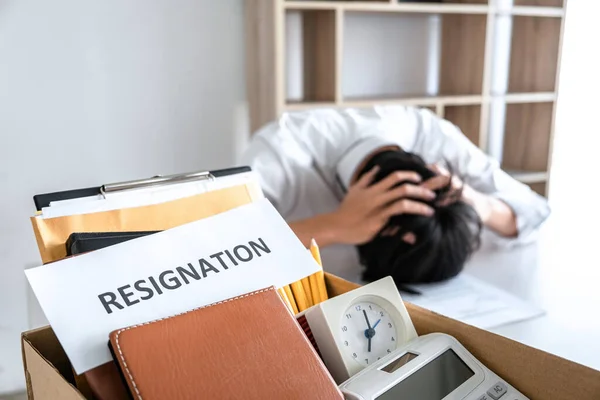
(444, 241)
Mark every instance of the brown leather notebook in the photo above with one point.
(248, 347)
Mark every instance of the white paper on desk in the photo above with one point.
(144, 196)
(472, 301)
(69, 290)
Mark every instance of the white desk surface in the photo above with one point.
(561, 274)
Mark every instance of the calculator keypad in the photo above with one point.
(497, 391)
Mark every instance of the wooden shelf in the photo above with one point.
(432, 101)
(375, 6)
(467, 118)
(540, 188)
(527, 136)
(424, 8)
(544, 3)
(533, 11)
(301, 106)
(539, 97)
(318, 30)
(428, 101)
(416, 101)
(449, 56)
(529, 177)
(534, 54)
(462, 54)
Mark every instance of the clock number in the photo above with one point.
(389, 351)
(367, 360)
(389, 324)
(354, 355)
(393, 340)
(381, 313)
(379, 358)
(348, 316)
(346, 343)
(358, 308)
(370, 307)
(344, 328)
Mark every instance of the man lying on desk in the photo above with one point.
(396, 189)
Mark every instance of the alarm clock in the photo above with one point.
(431, 367)
(356, 329)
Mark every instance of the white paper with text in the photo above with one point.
(86, 297)
(472, 301)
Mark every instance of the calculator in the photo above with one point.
(431, 367)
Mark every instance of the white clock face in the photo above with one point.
(367, 332)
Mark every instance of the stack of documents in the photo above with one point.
(154, 204)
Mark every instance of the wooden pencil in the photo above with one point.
(306, 286)
(285, 298)
(299, 295)
(320, 276)
(290, 297)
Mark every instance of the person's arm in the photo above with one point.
(506, 206)
(365, 210)
(494, 213)
(323, 228)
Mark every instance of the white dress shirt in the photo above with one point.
(305, 161)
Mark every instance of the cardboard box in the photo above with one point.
(536, 374)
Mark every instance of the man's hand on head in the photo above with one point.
(368, 206)
(494, 213)
(442, 179)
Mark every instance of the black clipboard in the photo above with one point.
(44, 199)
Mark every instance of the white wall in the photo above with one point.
(83, 86)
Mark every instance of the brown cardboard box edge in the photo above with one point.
(537, 374)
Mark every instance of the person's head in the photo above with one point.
(440, 244)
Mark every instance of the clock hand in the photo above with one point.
(367, 318)
(370, 332)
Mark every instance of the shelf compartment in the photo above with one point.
(534, 54)
(442, 62)
(527, 132)
(462, 54)
(381, 6)
(540, 188)
(467, 118)
(311, 56)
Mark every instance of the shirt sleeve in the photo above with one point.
(273, 172)
(442, 142)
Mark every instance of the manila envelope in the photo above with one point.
(51, 234)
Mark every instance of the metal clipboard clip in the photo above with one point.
(157, 180)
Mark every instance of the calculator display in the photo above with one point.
(433, 381)
(399, 362)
